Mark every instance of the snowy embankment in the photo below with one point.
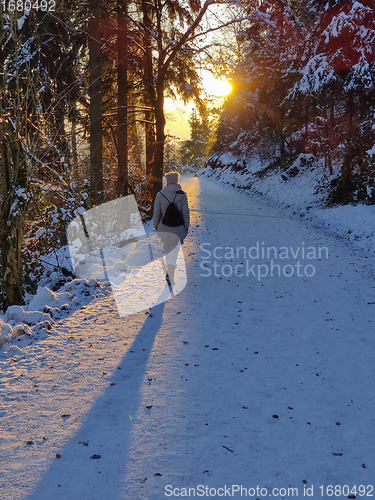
(302, 190)
(20, 324)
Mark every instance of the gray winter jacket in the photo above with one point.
(170, 192)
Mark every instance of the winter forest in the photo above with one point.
(237, 359)
(83, 88)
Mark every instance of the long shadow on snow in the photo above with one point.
(106, 432)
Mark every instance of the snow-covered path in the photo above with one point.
(264, 383)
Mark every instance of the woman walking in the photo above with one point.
(171, 225)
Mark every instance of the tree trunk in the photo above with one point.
(122, 99)
(96, 134)
(59, 121)
(157, 177)
(282, 137)
(13, 199)
(148, 82)
(13, 204)
(347, 162)
(326, 132)
(331, 127)
(150, 151)
(74, 149)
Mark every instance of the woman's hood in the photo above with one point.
(173, 188)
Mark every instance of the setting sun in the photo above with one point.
(220, 88)
(216, 87)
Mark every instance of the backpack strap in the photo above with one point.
(167, 198)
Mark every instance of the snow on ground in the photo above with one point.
(259, 374)
(21, 325)
(300, 190)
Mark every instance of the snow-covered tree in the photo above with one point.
(337, 77)
(305, 83)
(261, 81)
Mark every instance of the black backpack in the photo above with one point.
(172, 216)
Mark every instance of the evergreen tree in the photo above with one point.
(338, 72)
(194, 151)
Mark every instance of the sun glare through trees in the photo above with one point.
(216, 87)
